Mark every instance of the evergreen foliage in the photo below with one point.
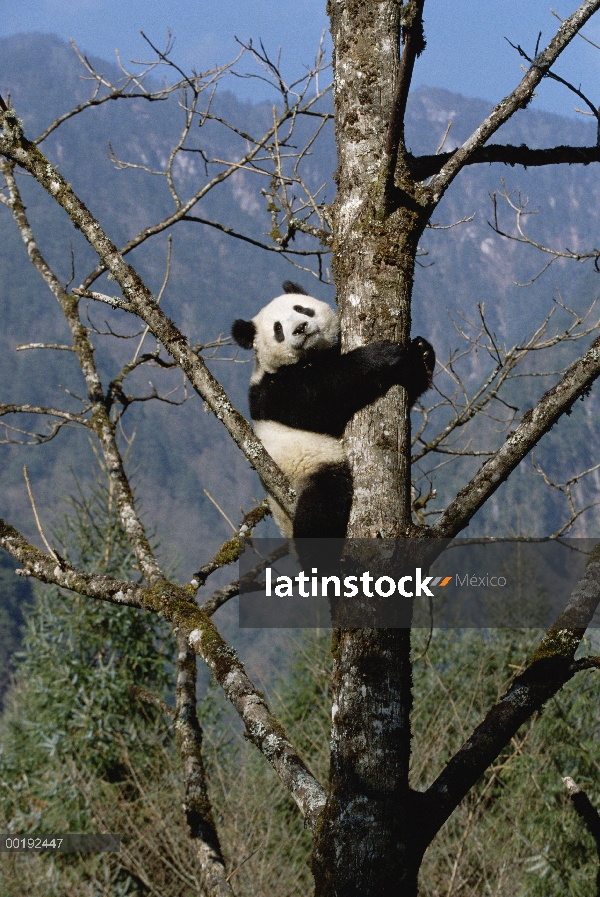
(71, 722)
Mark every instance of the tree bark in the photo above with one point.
(368, 813)
(373, 254)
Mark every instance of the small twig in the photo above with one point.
(432, 226)
(582, 36)
(594, 110)
(113, 301)
(220, 510)
(37, 519)
(159, 297)
(245, 860)
(444, 138)
(219, 598)
(587, 663)
(230, 551)
(23, 346)
(150, 698)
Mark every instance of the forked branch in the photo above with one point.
(413, 45)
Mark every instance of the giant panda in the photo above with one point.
(303, 393)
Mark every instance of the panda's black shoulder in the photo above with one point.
(282, 395)
(316, 364)
(321, 358)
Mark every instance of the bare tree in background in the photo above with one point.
(371, 828)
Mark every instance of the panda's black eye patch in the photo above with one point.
(278, 331)
(309, 312)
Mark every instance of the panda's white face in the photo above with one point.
(288, 328)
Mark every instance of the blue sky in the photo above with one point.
(466, 50)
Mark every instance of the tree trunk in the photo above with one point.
(373, 254)
(366, 840)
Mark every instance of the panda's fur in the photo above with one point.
(303, 393)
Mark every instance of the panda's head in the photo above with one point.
(286, 330)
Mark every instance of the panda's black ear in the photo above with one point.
(243, 332)
(290, 287)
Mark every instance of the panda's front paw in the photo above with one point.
(386, 354)
(422, 354)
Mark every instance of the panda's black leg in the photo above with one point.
(323, 508)
(321, 518)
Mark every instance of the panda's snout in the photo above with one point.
(301, 328)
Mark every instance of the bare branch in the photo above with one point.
(219, 598)
(183, 208)
(197, 806)
(49, 549)
(160, 293)
(516, 100)
(282, 250)
(35, 438)
(505, 362)
(423, 167)
(131, 85)
(594, 110)
(219, 509)
(23, 346)
(198, 809)
(39, 409)
(97, 101)
(142, 694)
(568, 490)
(231, 550)
(585, 809)
(46, 569)
(559, 400)
(520, 209)
(100, 420)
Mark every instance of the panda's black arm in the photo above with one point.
(323, 393)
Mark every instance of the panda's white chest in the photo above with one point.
(299, 453)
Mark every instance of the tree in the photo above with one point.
(371, 828)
